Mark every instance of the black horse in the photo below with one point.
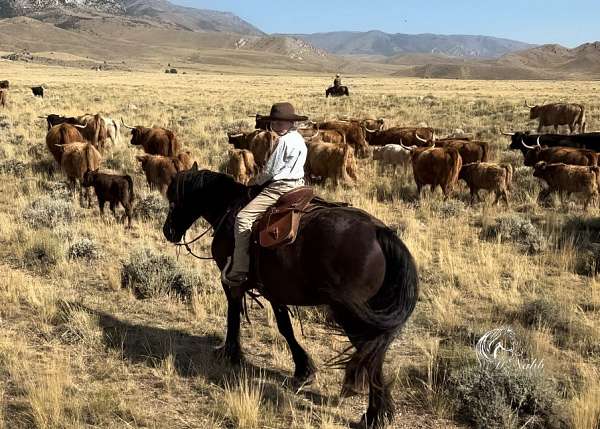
(339, 91)
(343, 258)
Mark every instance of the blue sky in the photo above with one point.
(569, 23)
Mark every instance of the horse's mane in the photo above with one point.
(220, 192)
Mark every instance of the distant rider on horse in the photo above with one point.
(337, 82)
(283, 172)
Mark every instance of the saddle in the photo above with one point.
(279, 225)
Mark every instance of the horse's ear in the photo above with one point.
(195, 167)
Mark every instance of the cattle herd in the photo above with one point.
(566, 163)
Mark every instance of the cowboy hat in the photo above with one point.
(284, 112)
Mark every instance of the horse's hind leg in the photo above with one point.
(367, 361)
(305, 367)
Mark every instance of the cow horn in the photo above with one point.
(370, 131)
(235, 135)
(528, 147)
(538, 141)
(125, 125)
(80, 126)
(410, 149)
(43, 117)
(504, 133)
(528, 106)
(315, 134)
(419, 138)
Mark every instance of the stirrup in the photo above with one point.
(231, 284)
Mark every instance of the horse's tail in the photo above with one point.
(386, 312)
(395, 301)
(372, 326)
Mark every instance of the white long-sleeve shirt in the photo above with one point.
(287, 160)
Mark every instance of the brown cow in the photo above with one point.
(241, 165)
(410, 136)
(76, 159)
(160, 170)
(354, 133)
(568, 179)
(59, 136)
(3, 97)
(491, 177)
(155, 140)
(470, 151)
(112, 188)
(556, 114)
(331, 161)
(558, 154)
(260, 143)
(435, 166)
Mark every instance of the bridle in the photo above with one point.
(186, 244)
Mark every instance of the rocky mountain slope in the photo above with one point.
(388, 45)
(69, 13)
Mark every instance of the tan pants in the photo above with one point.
(249, 214)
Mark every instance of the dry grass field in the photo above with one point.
(80, 349)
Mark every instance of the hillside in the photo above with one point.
(388, 45)
(154, 12)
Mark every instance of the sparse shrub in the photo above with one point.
(13, 167)
(122, 160)
(567, 330)
(447, 208)
(84, 248)
(17, 139)
(518, 230)
(44, 166)
(151, 207)
(505, 397)
(150, 274)
(525, 186)
(584, 235)
(43, 252)
(48, 212)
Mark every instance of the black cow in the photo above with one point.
(589, 141)
(4, 84)
(112, 188)
(38, 91)
(53, 120)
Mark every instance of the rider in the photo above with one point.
(283, 172)
(337, 82)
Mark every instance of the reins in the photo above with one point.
(215, 230)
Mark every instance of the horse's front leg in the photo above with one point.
(305, 367)
(231, 349)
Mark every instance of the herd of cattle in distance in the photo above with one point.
(566, 163)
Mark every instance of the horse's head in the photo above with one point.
(197, 193)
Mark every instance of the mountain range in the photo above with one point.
(149, 33)
(388, 45)
(66, 13)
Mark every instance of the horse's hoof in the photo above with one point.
(232, 354)
(304, 379)
(305, 376)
